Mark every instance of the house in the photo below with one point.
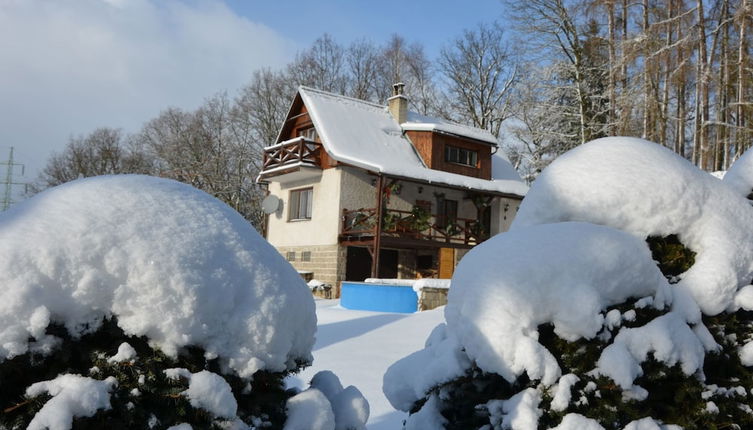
(363, 190)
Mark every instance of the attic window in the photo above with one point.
(309, 133)
(466, 157)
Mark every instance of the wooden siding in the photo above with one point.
(431, 147)
(299, 121)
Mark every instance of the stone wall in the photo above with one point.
(432, 298)
(325, 263)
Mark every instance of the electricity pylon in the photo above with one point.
(8, 181)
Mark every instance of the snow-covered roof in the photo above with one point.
(419, 122)
(365, 135)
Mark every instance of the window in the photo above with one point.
(290, 256)
(300, 204)
(447, 213)
(306, 256)
(453, 154)
(309, 133)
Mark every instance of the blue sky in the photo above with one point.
(68, 67)
(431, 23)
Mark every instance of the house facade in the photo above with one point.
(363, 190)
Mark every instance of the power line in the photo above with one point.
(8, 181)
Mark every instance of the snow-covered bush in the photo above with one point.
(619, 299)
(137, 302)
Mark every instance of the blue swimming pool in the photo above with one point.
(378, 297)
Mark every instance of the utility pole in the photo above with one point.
(8, 183)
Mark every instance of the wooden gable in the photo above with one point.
(298, 123)
(432, 146)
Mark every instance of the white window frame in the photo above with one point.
(301, 204)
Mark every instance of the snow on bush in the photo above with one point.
(326, 405)
(72, 396)
(169, 261)
(566, 321)
(583, 269)
(309, 410)
(646, 190)
(208, 391)
(179, 312)
(739, 176)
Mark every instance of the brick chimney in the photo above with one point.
(398, 103)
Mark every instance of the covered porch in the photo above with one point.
(417, 221)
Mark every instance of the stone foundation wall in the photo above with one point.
(325, 262)
(432, 298)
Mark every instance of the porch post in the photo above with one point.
(378, 232)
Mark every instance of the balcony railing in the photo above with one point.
(292, 152)
(361, 223)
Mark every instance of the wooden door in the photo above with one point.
(446, 262)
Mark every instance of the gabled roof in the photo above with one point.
(365, 135)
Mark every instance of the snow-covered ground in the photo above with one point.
(359, 346)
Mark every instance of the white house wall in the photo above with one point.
(503, 212)
(322, 228)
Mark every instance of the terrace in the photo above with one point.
(411, 228)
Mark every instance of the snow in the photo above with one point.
(746, 354)
(739, 176)
(442, 360)
(644, 189)
(428, 418)
(577, 247)
(309, 410)
(667, 337)
(210, 391)
(365, 135)
(348, 404)
(419, 122)
(502, 169)
(519, 412)
(359, 346)
(577, 422)
(72, 396)
(562, 392)
(125, 353)
(498, 301)
(169, 261)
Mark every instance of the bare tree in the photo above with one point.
(321, 66)
(401, 62)
(208, 150)
(480, 74)
(104, 151)
(362, 58)
(558, 29)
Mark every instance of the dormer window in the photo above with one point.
(309, 133)
(466, 157)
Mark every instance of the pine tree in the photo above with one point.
(717, 398)
(144, 397)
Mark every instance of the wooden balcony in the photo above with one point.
(411, 228)
(291, 156)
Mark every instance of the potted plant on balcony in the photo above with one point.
(419, 219)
